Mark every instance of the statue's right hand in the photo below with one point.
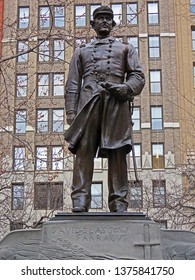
(70, 118)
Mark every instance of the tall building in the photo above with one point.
(36, 167)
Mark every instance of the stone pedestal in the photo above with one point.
(98, 236)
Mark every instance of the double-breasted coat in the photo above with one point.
(110, 60)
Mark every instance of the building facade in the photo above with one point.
(36, 168)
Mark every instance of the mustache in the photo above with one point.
(104, 24)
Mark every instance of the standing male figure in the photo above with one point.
(104, 75)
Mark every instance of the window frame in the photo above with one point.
(58, 53)
(17, 112)
(43, 54)
(154, 48)
(135, 203)
(47, 196)
(158, 156)
(194, 74)
(159, 185)
(153, 118)
(156, 13)
(155, 81)
(97, 196)
(136, 120)
(39, 159)
(19, 158)
(136, 46)
(24, 85)
(22, 58)
(119, 14)
(135, 14)
(47, 17)
(59, 17)
(193, 37)
(54, 83)
(14, 206)
(192, 6)
(40, 121)
(138, 157)
(20, 18)
(48, 160)
(80, 16)
(57, 159)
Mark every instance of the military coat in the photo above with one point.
(104, 59)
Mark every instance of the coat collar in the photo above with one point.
(103, 40)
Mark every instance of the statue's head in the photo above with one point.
(103, 21)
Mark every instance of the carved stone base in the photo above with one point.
(100, 236)
(86, 236)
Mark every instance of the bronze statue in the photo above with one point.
(104, 76)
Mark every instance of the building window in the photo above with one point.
(117, 10)
(154, 46)
(20, 121)
(48, 196)
(58, 84)
(43, 84)
(137, 149)
(23, 21)
(155, 81)
(153, 13)
(192, 6)
(159, 193)
(44, 51)
(134, 41)
(19, 158)
(194, 74)
(50, 120)
(42, 121)
(193, 38)
(135, 193)
(58, 120)
(80, 16)
(92, 8)
(158, 160)
(132, 14)
(49, 158)
(57, 158)
(22, 51)
(156, 117)
(44, 17)
(59, 19)
(59, 50)
(21, 85)
(41, 158)
(17, 196)
(96, 195)
(136, 118)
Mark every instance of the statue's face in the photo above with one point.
(103, 24)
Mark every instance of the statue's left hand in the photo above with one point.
(121, 91)
(70, 118)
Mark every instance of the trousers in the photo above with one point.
(83, 173)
